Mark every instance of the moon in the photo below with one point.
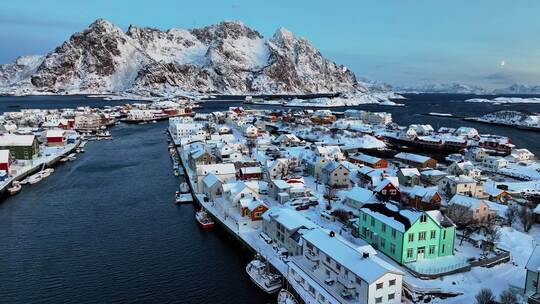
(503, 63)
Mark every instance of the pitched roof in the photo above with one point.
(16, 140)
(369, 268)
(533, 264)
(290, 219)
(361, 195)
(412, 157)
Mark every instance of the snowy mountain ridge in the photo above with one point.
(225, 58)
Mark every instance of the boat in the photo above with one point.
(64, 159)
(34, 179)
(183, 198)
(176, 173)
(15, 188)
(204, 220)
(104, 135)
(45, 173)
(260, 274)
(184, 187)
(24, 181)
(285, 297)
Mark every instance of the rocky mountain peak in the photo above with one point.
(227, 57)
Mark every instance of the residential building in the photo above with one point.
(406, 234)
(421, 197)
(25, 147)
(368, 160)
(285, 227)
(461, 184)
(408, 177)
(359, 196)
(332, 270)
(336, 175)
(479, 209)
(224, 172)
(388, 189)
(494, 163)
(415, 160)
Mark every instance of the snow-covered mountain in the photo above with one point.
(228, 57)
(451, 88)
(519, 89)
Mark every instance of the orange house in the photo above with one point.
(253, 207)
(368, 160)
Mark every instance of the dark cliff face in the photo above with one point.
(228, 57)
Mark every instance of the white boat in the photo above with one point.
(24, 181)
(204, 220)
(184, 188)
(15, 188)
(260, 274)
(45, 173)
(285, 297)
(34, 179)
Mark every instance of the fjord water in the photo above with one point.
(104, 229)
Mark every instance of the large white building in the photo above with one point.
(334, 271)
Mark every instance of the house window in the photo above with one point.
(433, 234)
(393, 248)
(364, 230)
(409, 253)
(391, 296)
(393, 233)
(432, 249)
(328, 260)
(392, 282)
(444, 234)
(411, 237)
(383, 192)
(379, 286)
(338, 267)
(383, 227)
(358, 281)
(372, 221)
(393, 192)
(378, 300)
(422, 236)
(382, 243)
(423, 218)
(442, 248)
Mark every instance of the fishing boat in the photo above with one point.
(24, 181)
(260, 274)
(15, 188)
(285, 297)
(204, 220)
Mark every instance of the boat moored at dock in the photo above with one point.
(260, 274)
(285, 297)
(204, 220)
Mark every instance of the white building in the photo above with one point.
(494, 163)
(334, 271)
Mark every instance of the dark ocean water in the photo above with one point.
(104, 229)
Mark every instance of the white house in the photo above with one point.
(347, 274)
(494, 163)
(518, 155)
(224, 172)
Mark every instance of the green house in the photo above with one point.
(20, 146)
(406, 234)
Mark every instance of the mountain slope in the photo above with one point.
(228, 57)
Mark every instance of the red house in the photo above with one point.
(250, 173)
(56, 137)
(5, 160)
(368, 160)
(387, 190)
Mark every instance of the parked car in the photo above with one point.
(302, 207)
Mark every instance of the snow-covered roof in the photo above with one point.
(409, 172)
(466, 201)
(211, 179)
(218, 169)
(281, 184)
(290, 219)
(251, 203)
(384, 182)
(462, 179)
(250, 170)
(16, 140)
(4, 156)
(368, 268)
(361, 195)
(412, 157)
(365, 158)
(433, 172)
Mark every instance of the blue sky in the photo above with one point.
(402, 42)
